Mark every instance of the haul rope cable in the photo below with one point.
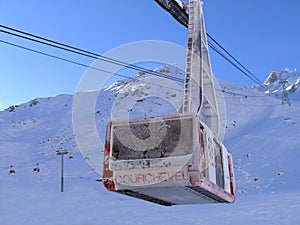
(117, 62)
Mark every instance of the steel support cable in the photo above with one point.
(83, 52)
(84, 65)
(232, 63)
(60, 58)
(81, 64)
(72, 49)
(78, 63)
(236, 94)
(219, 45)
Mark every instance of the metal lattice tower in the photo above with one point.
(285, 95)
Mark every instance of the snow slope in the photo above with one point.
(262, 134)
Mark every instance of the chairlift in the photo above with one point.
(71, 156)
(86, 157)
(36, 169)
(12, 172)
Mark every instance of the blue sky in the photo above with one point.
(263, 35)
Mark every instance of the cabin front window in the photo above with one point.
(137, 141)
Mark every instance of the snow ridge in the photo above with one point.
(274, 86)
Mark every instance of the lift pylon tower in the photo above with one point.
(285, 95)
(199, 88)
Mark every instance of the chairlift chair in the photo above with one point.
(36, 169)
(12, 172)
(71, 156)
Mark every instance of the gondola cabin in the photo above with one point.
(170, 160)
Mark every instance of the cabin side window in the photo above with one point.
(219, 165)
(203, 153)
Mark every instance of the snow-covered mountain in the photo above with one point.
(262, 134)
(274, 83)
